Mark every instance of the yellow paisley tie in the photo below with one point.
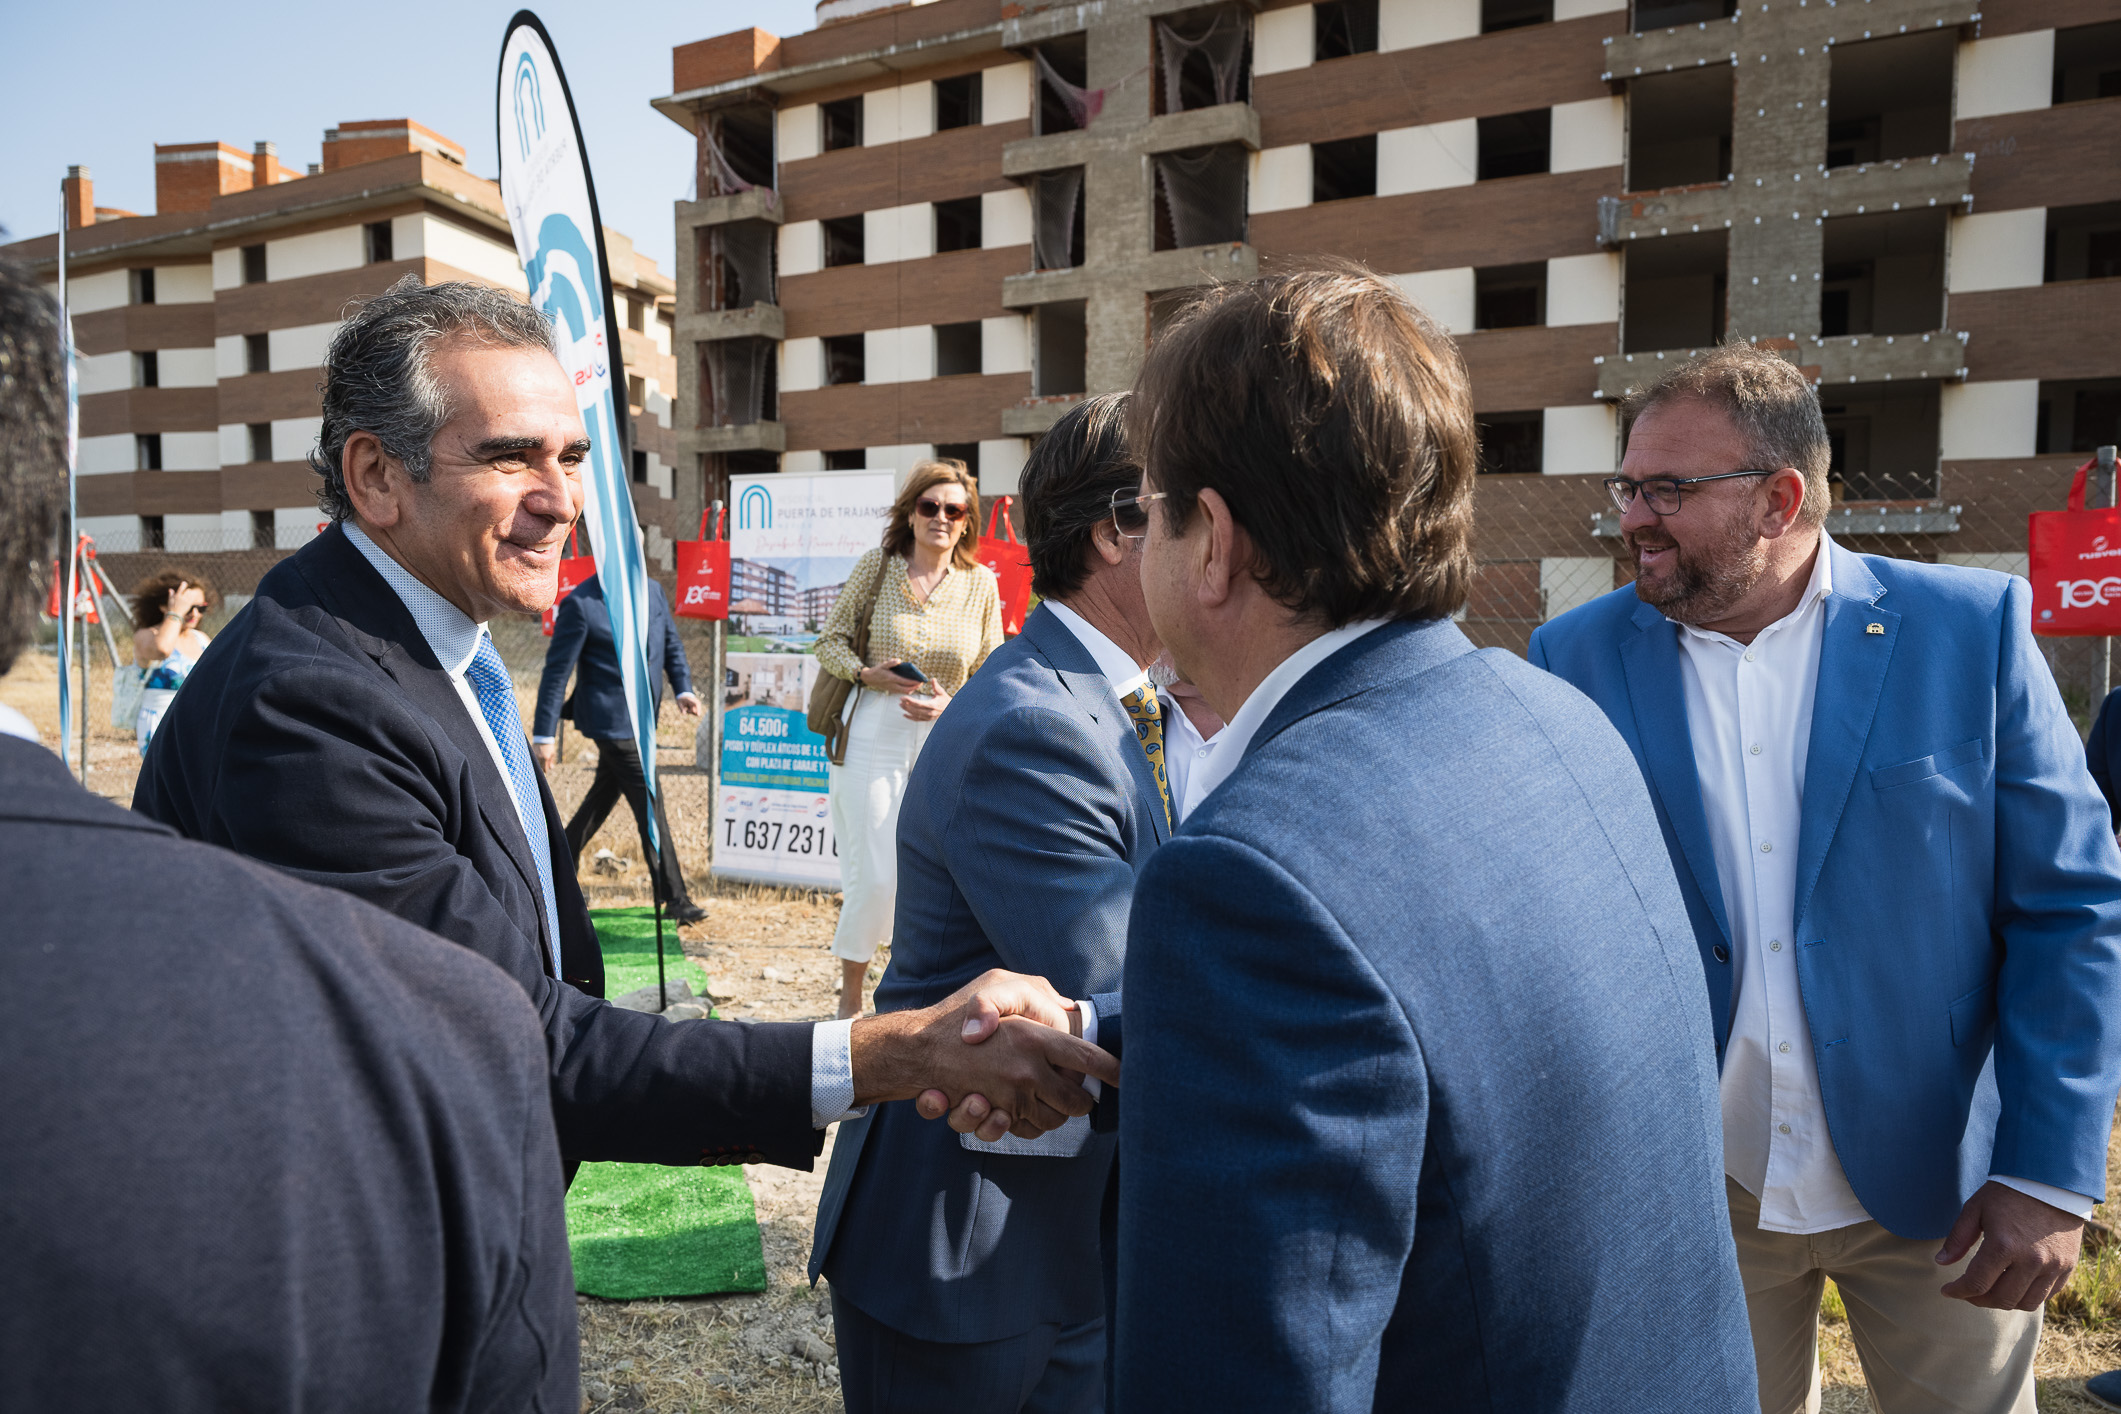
(1147, 710)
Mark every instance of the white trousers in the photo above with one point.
(882, 745)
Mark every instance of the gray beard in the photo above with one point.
(1709, 580)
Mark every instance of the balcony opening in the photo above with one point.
(1510, 296)
(1890, 98)
(254, 265)
(1065, 102)
(1665, 14)
(965, 452)
(840, 123)
(1515, 144)
(147, 451)
(2088, 62)
(737, 265)
(1679, 129)
(1343, 27)
(260, 434)
(2078, 416)
(261, 530)
(1883, 438)
(376, 243)
(843, 240)
(1344, 169)
(1511, 443)
(143, 285)
(957, 349)
(846, 359)
(2083, 242)
(738, 385)
(957, 102)
(1202, 59)
(957, 224)
(147, 369)
(257, 353)
(1057, 219)
(1674, 292)
(847, 459)
(1514, 14)
(1200, 197)
(1060, 346)
(1883, 274)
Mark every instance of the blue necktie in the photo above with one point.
(497, 704)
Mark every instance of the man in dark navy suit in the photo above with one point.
(266, 1146)
(582, 644)
(355, 727)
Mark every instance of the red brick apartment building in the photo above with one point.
(201, 329)
(935, 226)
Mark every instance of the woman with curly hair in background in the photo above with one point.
(166, 640)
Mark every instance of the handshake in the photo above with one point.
(1003, 1054)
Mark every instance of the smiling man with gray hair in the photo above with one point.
(356, 727)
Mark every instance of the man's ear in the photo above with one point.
(1782, 503)
(1104, 539)
(1224, 548)
(375, 481)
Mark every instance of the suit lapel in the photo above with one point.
(1058, 647)
(1852, 667)
(1651, 661)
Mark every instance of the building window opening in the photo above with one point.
(640, 467)
(1343, 27)
(636, 391)
(260, 441)
(1665, 14)
(2083, 242)
(254, 265)
(147, 451)
(842, 120)
(1201, 59)
(966, 452)
(2088, 62)
(2078, 416)
(375, 242)
(261, 530)
(1890, 98)
(1200, 196)
(1060, 345)
(1883, 274)
(847, 459)
(1514, 14)
(152, 535)
(257, 353)
(1883, 440)
(738, 261)
(845, 359)
(1057, 219)
(1510, 296)
(843, 240)
(147, 369)
(735, 152)
(1511, 443)
(1674, 292)
(143, 285)
(957, 349)
(957, 102)
(1515, 144)
(1344, 169)
(1679, 129)
(738, 386)
(957, 224)
(1065, 100)
(636, 314)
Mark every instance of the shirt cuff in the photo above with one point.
(1088, 1009)
(832, 1073)
(2075, 1204)
(541, 741)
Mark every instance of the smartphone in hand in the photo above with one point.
(911, 672)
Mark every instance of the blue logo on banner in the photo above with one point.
(757, 502)
(530, 103)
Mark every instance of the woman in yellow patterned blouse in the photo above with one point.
(939, 609)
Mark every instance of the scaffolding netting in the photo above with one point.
(1054, 197)
(716, 176)
(736, 381)
(1083, 104)
(743, 256)
(1204, 194)
(1220, 41)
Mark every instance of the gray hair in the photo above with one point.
(1771, 404)
(379, 376)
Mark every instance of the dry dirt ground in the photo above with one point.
(762, 1352)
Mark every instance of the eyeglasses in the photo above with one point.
(930, 508)
(1130, 511)
(1663, 492)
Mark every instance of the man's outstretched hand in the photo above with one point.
(974, 1114)
(2028, 1249)
(1002, 1038)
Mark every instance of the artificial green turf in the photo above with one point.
(641, 1230)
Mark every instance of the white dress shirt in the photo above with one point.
(1184, 749)
(13, 723)
(454, 639)
(1749, 717)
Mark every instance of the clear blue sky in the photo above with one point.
(101, 84)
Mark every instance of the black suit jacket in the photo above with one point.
(265, 1147)
(582, 645)
(320, 735)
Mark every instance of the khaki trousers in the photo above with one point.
(1922, 1353)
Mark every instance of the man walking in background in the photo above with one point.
(582, 645)
(1904, 888)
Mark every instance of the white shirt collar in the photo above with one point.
(1816, 589)
(13, 723)
(448, 630)
(1118, 667)
(1235, 740)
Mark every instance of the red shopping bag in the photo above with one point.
(703, 574)
(2075, 565)
(574, 569)
(1011, 564)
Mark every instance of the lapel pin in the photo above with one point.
(1878, 629)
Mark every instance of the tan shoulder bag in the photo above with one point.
(828, 715)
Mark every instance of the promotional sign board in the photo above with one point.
(792, 541)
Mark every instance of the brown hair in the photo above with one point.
(1336, 419)
(151, 595)
(898, 535)
(1774, 409)
(1067, 487)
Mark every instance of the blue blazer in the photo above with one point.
(581, 644)
(1958, 888)
(1025, 821)
(1422, 1105)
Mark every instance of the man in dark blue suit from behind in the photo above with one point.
(1415, 1010)
(582, 645)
